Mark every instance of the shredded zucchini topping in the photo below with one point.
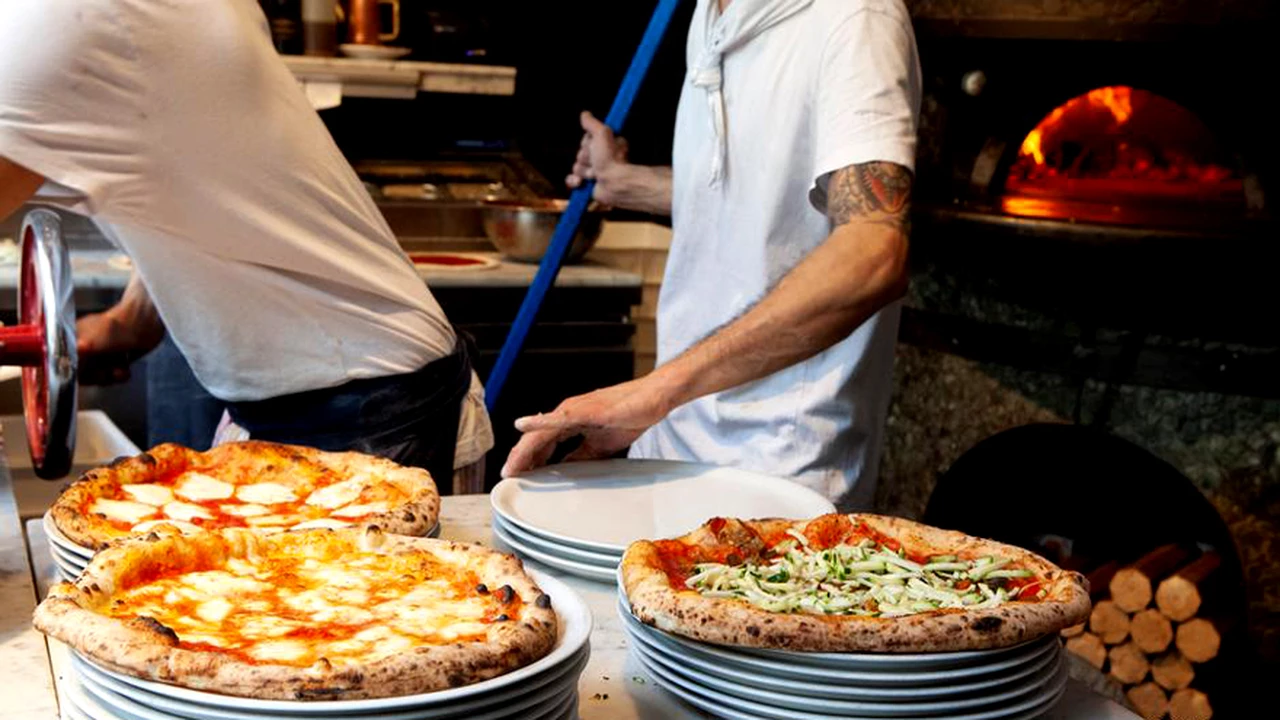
(860, 579)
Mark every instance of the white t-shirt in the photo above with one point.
(188, 141)
(809, 87)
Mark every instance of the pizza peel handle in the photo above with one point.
(44, 344)
(553, 258)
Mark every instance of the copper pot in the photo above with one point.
(364, 25)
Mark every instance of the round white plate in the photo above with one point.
(644, 643)
(575, 625)
(66, 573)
(748, 693)
(602, 573)
(866, 674)
(373, 52)
(65, 558)
(554, 548)
(540, 691)
(566, 710)
(57, 538)
(80, 705)
(727, 706)
(606, 505)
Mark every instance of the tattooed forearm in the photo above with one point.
(875, 192)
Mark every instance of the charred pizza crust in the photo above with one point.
(415, 514)
(728, 621)
(146, 648)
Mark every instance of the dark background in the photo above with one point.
(571, 55)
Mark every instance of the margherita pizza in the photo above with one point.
(845, 583)
(305, 615)
(259, 485)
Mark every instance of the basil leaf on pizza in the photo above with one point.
(848, 583)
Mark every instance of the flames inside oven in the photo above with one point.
(1124, 155)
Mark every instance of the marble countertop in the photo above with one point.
(612, 687)
(101, 270)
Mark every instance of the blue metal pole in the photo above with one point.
(578, 201)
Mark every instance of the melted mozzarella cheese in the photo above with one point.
(273, 520)
(360, 510)
(219, 583)
(215, 610)
(186, 511)
(200, 487)
(185, 528)
(267, 626)
(155, 495)
(246, 510)
(322, 523)
(279, 650)
(122, 510)
(267, 493)
(338, 494)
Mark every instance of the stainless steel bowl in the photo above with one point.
(522, 231)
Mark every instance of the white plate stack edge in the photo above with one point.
(1016, 683)
(544, 690)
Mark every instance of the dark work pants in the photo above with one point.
(411, 419)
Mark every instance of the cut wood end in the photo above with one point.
(1130, 590)
(1088, 647)
(1198, 640)
(1178, 598)
(1148, 700)
(1172, 671)
(1109, 622)
(1151, 630)
(1190, 704)
(1072, 631)
(1129, 664)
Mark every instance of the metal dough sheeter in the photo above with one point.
(43, 343)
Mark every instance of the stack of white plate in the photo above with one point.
(544, 690)
(580, 517)
(749, 684)
(71, 559)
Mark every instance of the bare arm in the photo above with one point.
(109, 341)
(603, 158)
(857, 270)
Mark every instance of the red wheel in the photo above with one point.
(44, 343)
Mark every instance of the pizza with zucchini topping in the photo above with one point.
(303, 615)
(848, 583)
(258, 485)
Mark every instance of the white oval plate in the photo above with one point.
(553, 547)
(57, 538)
(732, 708)
(833, 690)
(541, 690)
(606, 505)
(748, 693)
(66, 573)
(589, 571)
(866, 673)
(575, 624)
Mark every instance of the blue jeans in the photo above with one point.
(411, 419)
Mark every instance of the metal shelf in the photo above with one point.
(401, 79)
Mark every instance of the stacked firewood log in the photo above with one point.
(1153, 630)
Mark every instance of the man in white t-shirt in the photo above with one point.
(789, 191)
(176, 127)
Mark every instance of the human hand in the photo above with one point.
(107, 345)
(609, 420)
(598, 154)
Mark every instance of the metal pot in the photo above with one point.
(521, 231)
